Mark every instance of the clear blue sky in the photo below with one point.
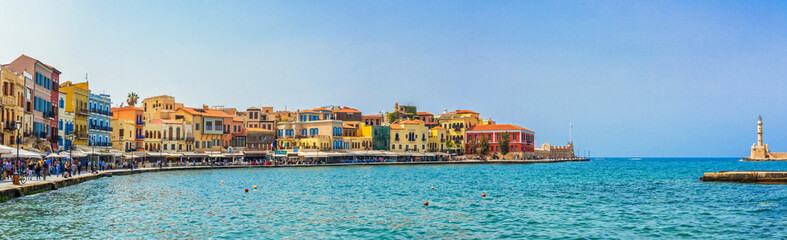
(654, 78)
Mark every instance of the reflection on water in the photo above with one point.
(611, 198)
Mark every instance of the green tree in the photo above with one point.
(483, 145)
(392, 117)
(504, 138)
(132, 99)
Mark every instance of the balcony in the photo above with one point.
(141, 123)
(99, 128)
(82, 111)
(9, 126)
(49, 114)
(189, 139)
(141, 137)
(79, 135)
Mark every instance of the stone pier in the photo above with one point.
(760, 177)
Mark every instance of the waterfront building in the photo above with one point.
(234, 137)
(98, 121)
(456, 123)
(28, 140)
(520, 144)
(356, 136)
(45, 81)
(310, 129)
(260, 118)
(65, 124)
(258, 139)
(208, 126)
(177, 135)
(547, 151)
(77, 98)
(346, 114)
(409, 136)
(153, 139)
(372, 120)
(760, 151)
(284, 116)
(162, 107)
(381, 138)
(12, 105)
(127, 129)
(437, 137)
(427, 118)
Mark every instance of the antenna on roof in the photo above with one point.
(85, 77)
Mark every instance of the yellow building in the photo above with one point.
(409, 136)
(177, 135)
(76, 101)
(153, 138)
(208, 126)
(159, 107)
(12, 105)
(123, 137)
(456, 123)
(310, 129)
(437, 137)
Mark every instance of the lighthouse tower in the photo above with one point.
(759, 150)
(759, 131)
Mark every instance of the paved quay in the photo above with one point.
(10, 191)
(761, 177)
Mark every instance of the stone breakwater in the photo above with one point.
(16, 191)
(762, 177)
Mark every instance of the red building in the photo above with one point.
(54, 98)
(521, 140)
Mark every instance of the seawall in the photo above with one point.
(16, 191)
(761, 177)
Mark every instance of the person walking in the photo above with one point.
(45, 168)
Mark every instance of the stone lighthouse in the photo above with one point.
(759, 131)
(760, 151)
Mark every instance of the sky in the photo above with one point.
(634, 78)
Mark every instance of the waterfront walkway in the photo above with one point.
(9, 191)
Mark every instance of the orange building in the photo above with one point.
(127, 125)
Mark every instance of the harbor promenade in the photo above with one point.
(10, 191)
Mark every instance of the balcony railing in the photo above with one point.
(189, 139)
(140, 136)
(141, 123)
(99, 128)
(82, 111)
(49, 114)
(9, 126)
(79, 135)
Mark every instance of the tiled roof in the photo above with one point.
(321, 109)
(413, 122)
(396, 127)
(425, 113)
(346, 109)
(498, 127)
(464, 112)
(205, 112)
(372, 116)
(126, 108)
(438, 128)
(167, 121)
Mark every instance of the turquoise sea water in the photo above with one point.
(609, 198)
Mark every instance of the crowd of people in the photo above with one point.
(40, 169)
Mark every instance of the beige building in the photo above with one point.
(162, 107)
(262, 118)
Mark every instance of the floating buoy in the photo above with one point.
(255, 186)
(426, 203)
(483, 194)
(222, 181)
(247, 190)
(432, 187)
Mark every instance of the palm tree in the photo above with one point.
(132, 99)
